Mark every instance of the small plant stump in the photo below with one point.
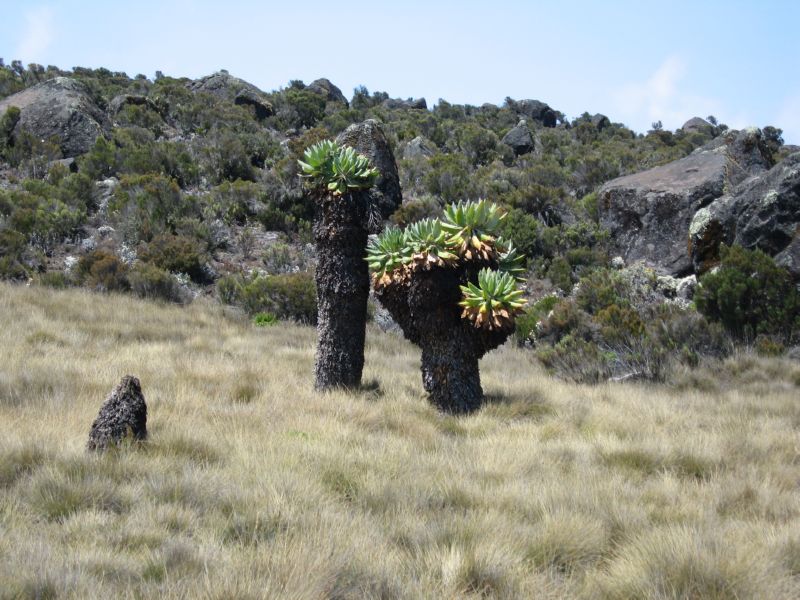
(122, 416)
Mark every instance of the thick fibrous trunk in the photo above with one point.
(426, 307)
(450, 375)
(342, 290)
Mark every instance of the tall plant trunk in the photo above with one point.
(450, 375)
(342, 281)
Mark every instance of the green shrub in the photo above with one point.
(144, 206)
(560, 274)
(288, 296)
(416, 209)
(565, 318)
(687, 334)
(449, 177)
(576, 359)
(148, 281)
(523, 230)
(177, 254)
(600, 289)
(103, 271)
(54, 279)
(8, 122)
(12, 249)
(264, 319)
(750, 295)
(619, 324)
(527, 321)
(768, 346)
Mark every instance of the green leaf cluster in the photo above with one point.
(466, 235)
(494, 301)
(334, 169)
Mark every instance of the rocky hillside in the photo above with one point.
(175, 187)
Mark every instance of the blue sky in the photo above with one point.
(636, 62)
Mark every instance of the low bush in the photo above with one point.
(526, 323)
(288, 296)
(103, 271)
(264, 319)
(148, 281)
(177, 254)
(750, 295)
(600, 289)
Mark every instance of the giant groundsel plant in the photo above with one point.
(451, 285)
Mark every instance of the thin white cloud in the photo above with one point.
(37, 35)
(662, 98)
(788, 119)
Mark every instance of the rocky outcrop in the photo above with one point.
(385, 196)
(519, 139)
(247, 97)
(123, 415)
(761, 212)
(412, 103)
(419, 147)
(697, 125)
(649, 214)
(225, 86)
(535, 111)
(123, 100)
(600, 121)
(327, 90)
(59, 108)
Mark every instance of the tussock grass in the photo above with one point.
(254, 486)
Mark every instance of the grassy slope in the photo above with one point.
(254, 486)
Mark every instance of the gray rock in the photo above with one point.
(419, 147)
(649, 214)
(686, 287)
(326, 89)
(600, 121)
(535, 111)
(221, 84)
(60, 108)
(368, 139)
(789, 257)
(103, 191)
(415, 103)
(119, 102)
(247, 97)
(519, 139)
(123, 415)
(697, 125)
(761, 212)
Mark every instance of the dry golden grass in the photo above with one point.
(253, 486)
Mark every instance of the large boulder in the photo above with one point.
(535, 111)
(123, 100)
(519, 139)
(247, 97)
(697, 125)
(225, 86)
(761, 212)
(412, 103)
(327, 90)
(123, 415)
(62, 108)
(600, 121)
(649, 214)
(368, 139)
(419, 147)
